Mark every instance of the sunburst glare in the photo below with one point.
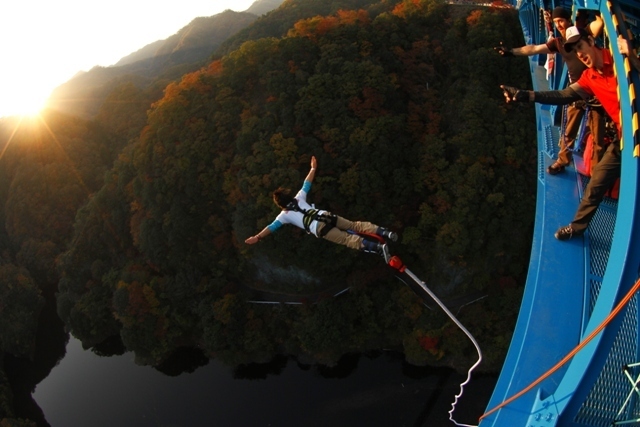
(23, 100)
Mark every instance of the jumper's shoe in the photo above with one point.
(555, 168)
(372, 247)
(377, 248)
(385, 253)
(387, 234)
(567, 232)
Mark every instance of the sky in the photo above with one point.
(44, 43)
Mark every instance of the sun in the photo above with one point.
(24, 92)
(23, 102)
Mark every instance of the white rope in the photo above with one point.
(457, 322)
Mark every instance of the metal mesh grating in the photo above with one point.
(600, 232)
(594, 291)
(612, 203)
(541, 167)
(599, 245)
(611, 388)
(551, 137)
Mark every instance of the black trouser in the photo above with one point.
(603, 176)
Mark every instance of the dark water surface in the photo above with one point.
(378, 389)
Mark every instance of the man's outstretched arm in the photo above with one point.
(528, 50)
(552, 97)
(312, 172)
(261, 235)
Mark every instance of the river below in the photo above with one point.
(379, 389)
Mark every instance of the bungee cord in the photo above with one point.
(396, 263)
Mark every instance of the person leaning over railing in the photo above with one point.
(575, 110)
(597, 80)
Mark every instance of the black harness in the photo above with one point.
(310, 215)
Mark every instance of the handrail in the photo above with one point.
(622, 29)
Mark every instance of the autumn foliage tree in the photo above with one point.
(400, 106)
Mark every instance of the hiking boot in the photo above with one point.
(555, 168)
(387, 234)
(566, 233)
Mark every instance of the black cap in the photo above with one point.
(561, 12)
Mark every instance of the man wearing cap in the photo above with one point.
(597, 80)
(574, 113)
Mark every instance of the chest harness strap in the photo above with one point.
(311, 215)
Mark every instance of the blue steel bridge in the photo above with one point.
(574, 355)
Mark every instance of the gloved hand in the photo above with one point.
(513, 94)
(503, 50)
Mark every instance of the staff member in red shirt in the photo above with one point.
(600, 81)
(575, 111)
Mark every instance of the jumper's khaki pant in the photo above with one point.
(339, 235)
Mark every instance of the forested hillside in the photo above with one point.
(142, 233)
(282, 19)
(406, 135)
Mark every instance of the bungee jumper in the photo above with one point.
(358, 235)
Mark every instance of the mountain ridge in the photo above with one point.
(168, 59)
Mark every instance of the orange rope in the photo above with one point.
(568, 357)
